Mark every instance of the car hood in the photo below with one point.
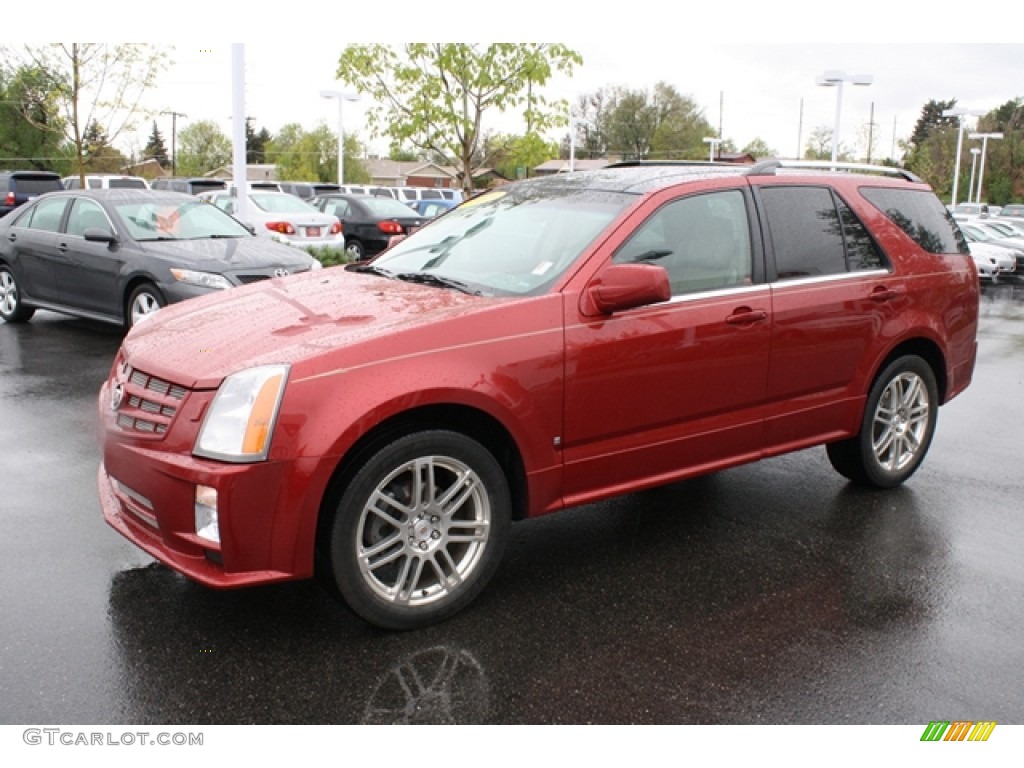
(325, 318)
(228, 252)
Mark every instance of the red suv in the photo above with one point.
(556, 342)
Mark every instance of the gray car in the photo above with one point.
(118, 255)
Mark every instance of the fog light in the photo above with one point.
(206, 514)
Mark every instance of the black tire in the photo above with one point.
(897, 427)
(12, 310)
(403, 559)
(355, 250)
(144, 300)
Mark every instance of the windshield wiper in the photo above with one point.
(427, 278)
(652, 255)
(369, 269)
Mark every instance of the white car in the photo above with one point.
(1009, 254)
(282, 217)
(987, 259)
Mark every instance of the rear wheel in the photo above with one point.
(12, 310)
(419, 530)
(897, 427)
(144, 301)
(355, 250)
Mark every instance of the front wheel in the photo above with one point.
(419, 530)
(897, 428)
(12, 310)
(144, 301)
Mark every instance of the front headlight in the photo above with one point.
(239, 423)
(202, 279)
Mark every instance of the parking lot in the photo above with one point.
(768, 594)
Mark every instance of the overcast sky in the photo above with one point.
(759, 82)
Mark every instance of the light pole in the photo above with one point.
(984, 146)
(342, 97)
(835, 78)
(961, 113)
(974, 164)
(713, 143)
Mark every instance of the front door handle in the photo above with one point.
(746, 316)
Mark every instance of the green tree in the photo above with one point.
(638, 124)
(202, 147)
(255, 143)
(931, 119)
(27, 101)
(435, 96)
(313, 155)
(516, 156)
(758, 148)
(819, 144)
(96, 84)
(156, 148)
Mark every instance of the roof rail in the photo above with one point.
(769, 167)
(649, 163)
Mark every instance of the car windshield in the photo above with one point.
(513, 243)
(280, 202)
(387, 207)
(977, 233)
(175, 220)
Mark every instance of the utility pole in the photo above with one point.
(174, 138)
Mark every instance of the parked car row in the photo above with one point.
(282, 217)
(996, 244)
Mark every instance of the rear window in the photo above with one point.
(921, 216)
(126, 184)
(35, 185)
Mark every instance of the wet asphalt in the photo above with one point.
(774, 593)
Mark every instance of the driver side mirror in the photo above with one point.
(625, 286)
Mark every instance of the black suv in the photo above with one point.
(18, 187)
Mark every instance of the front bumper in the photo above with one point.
(266, 511)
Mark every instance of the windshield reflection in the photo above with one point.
(514, 243)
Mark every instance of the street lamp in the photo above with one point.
(961, 113)
(342, 97)
(573, 122)
(835, 78)
(974, 164)
(984, 146)
(713, 143)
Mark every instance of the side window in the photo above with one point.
(861, 250)
(337, 208)
(807, 234)
(94, 183)
(702, 241)
(46, 215)
(85, 214)
(74, 183)
(921, 216)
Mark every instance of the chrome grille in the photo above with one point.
(149, 404)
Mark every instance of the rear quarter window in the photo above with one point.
(921, 216)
